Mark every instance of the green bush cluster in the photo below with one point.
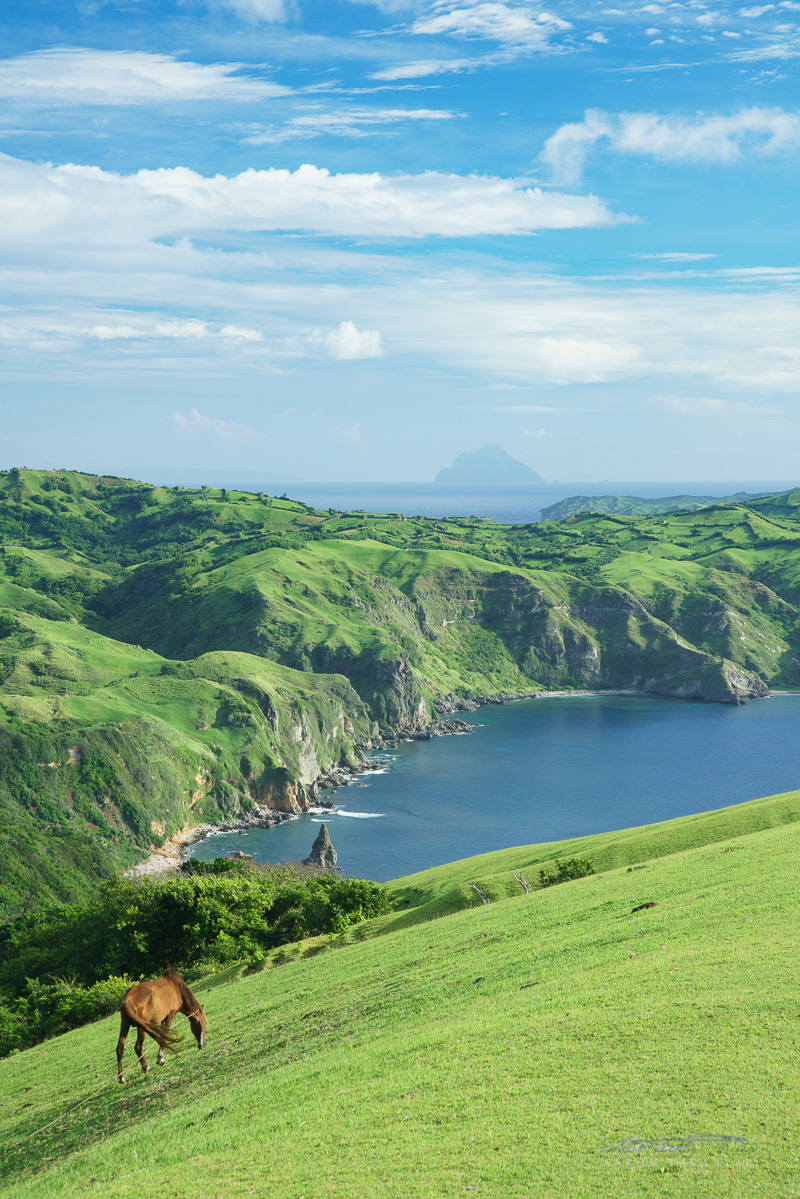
(67, 965)
(565, 870)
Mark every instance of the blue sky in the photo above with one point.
(351, 239)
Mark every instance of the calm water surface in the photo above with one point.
(544, 770)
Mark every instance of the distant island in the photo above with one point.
(489, 464)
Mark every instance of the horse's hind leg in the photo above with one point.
(124, 1026)
(165, 1025)
(139, 1053)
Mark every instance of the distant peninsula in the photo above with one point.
(489, 464)
(636, 505)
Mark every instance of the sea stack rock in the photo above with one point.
(322, 852)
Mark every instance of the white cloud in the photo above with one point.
(347, 122)
(70, 75)
(191, 328)
(76, 205)
(677, 256)
(534, 432)
(509, 24)
(195, 422)
(758, 10)
(737, 341)
(600, 38)
(113, 332)
(674, 138)
(349, 342)
(422, 67)
(271, 11)
(235, 332)
(349, 436)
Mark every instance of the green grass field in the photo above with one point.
(497, 1050)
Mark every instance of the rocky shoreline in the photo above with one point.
(175, 850)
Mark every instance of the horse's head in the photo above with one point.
(198, 1025)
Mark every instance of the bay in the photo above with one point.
(543, 770)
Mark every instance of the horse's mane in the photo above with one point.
(186, 994)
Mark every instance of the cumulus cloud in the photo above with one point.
(673, 138)
(195, 422)
(349, 342)
(509, 24)
(74, 205)
(72, 75)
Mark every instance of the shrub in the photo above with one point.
(565, 870)
(208, 915)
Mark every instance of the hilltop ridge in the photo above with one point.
(211, 655)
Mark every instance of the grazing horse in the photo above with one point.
(151, 1007)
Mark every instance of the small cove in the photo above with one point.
(543, 770)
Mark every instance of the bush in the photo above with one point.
(207, 916)
(565, 870)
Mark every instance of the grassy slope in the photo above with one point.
(202, 739)
(498, 1050)
(408, 610)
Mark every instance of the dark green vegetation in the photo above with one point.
(169, 656)
(638, 505)
(499, 1050)
(70, 963)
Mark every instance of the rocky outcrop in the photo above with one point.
(441, 728)
(322, 852)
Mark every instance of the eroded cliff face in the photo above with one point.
(406, 628)
(579, 636)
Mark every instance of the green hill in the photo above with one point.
(567, 1041)
(170, 656)
(638, 505)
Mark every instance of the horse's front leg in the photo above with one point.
(124, 1026)
(165, 1026)
(139, 1053)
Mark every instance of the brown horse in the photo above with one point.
(151, 1007)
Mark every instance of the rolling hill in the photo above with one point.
(566, 1041)
(170, 656)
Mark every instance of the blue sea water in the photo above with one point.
(519, 503)
(544, 770)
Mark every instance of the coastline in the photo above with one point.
(175, 849)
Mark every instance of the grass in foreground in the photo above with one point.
(497, 1051)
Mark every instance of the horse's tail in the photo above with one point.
(165, 1040)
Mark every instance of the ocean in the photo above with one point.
(543, 770)
(519, 503)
